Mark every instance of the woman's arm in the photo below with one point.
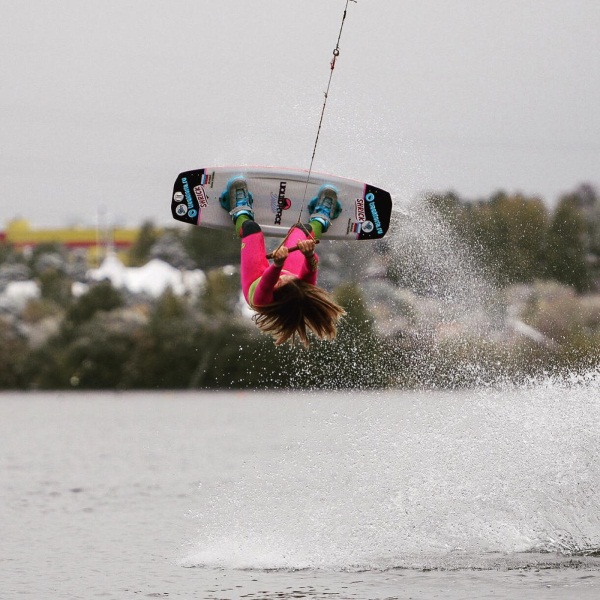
(309, 269)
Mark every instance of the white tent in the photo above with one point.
(153, 278)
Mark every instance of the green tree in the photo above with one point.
(6, 251)
(101, 296)
(51, 248)
(45, 369)
(566, 251)
(166, 349)
(586, 199)
(220, 293)
(98, 357)
(55, 286)
(90, 352)
(13, 354)
(506, 233)
(139, 253)
(516, 238)
(210, 248)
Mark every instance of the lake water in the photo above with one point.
(472, 494)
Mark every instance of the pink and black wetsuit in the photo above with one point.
(259, 277)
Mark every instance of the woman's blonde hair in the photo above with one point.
(299, 306)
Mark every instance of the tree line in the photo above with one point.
(519, 239)
(109, 339)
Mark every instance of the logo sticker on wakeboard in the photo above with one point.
(279, 202)
(201, 196)
(191, 209)
(361, 215)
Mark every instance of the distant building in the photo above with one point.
(95, 240)
(19, 234)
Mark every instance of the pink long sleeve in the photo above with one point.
(306, 273)
(263, 294)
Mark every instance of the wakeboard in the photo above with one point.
(279, 196)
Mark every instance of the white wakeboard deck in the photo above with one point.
(278, 195)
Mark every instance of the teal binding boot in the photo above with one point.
(325, 206)
(236, 199)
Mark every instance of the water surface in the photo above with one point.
(486, 493)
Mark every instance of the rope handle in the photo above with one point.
(292, 249)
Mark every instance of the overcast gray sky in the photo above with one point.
(104, 102)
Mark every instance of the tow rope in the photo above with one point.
(336, 53)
